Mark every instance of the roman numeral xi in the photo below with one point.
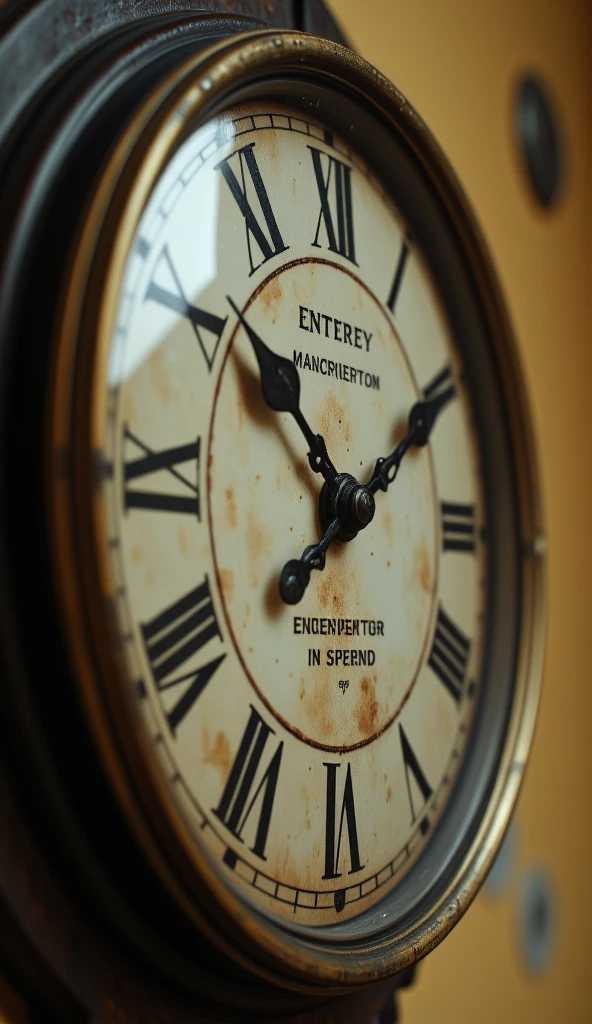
(171, 638)
(334, 184)
(263, 227)
(181, 463)
(166, 289)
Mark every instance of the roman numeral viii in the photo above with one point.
(166, 289)
(336, 212)
(458, 526)
(251, 188)
(246, 783)
(414, 775)
(347, 816)
(449, 656)
(186, 492)
(171, 639)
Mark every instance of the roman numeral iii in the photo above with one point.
(251, 188)
(166, 289)
(449, 656)
(334, 184)
(458, 526)
(185, 497)
(242, 790)
(171, 638)
(347, 817)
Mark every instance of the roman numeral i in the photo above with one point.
(336, 212)
(171, 638)
(241, 791)
(268, 239)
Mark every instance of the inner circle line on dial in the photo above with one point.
(344, 747)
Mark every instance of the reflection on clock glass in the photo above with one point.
(278, 329)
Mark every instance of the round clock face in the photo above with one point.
(309, 749)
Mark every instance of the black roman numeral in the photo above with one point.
(412, 766)
(168, 459)
(240, 793)
(398, 278)
(442, 386)
(269, 244)
(348, 813)
(174, 636)
(166, 288)
(449, 655)
(458, 526)
(338, 175)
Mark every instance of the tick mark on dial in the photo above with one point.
(339, 900)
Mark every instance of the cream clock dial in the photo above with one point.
(309, 748)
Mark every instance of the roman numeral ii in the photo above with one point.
(171, 638)
(268, 239)
(242, 788)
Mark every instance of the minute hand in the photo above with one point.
(280, 383)
(422, 417)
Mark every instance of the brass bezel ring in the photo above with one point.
(83, 581)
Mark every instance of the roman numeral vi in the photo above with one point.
(270, 242)
(336, 211)
(171, 638)
(169, 459)
(240, 792)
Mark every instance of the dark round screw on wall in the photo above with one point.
(539, 140)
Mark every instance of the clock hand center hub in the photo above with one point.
(350, 502)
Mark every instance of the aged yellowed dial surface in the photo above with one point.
(308, 748)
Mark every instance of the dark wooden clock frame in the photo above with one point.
(69, 945)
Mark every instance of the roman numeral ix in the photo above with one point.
(458, 526)
(169, 459)
(269, 241)
(171, 639)
(413, 769)
(336, 212)
(347, 816)
(449, 655)
(166, 289)
(242, 790)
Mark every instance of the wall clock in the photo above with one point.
(272, 574)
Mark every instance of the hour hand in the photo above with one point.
(280, 384)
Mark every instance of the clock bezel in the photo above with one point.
(126, 182)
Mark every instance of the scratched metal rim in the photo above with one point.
(191, 93)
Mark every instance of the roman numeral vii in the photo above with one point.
(251, 188)
(336, 212)
(245, 784)
(347, 817)
(171, 638)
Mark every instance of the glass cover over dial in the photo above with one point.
(308, 738)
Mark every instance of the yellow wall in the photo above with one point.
(458, 62)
